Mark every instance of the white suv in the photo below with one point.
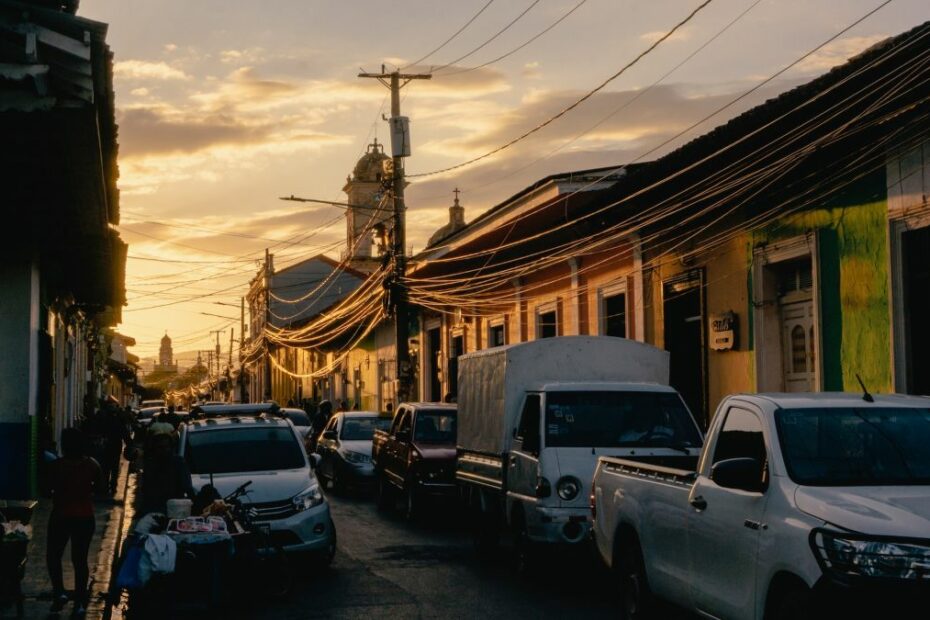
(268, 451)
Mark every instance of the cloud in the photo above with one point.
(682, 34)
(170, 47)
(145, 70)
(531, 71)
(838, 52)
(139, 92)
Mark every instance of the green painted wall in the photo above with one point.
(854, 296)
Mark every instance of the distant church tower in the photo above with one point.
(166, 361)
(370, 207)
(456, 222)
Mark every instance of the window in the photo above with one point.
(547, 321)
(496, 335)
(362, 429)
(406, 422)
(435, 426)
(614, 315)
(617, 419)
(398, 420)
(528, 431)
(856, 446)
(243, 450)
(741, 437)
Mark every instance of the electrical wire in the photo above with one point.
(449, 40)
(575, 104)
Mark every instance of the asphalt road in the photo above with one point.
(387, 567)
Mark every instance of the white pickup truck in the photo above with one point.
(801, 505)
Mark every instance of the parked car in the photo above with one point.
(345, 448)
(415, 457)
(298, 418)
(285, 493)
(802, 505)
(221, 410)
(146, 404)
(535, 416)
(146, 416)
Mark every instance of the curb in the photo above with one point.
(108, 557)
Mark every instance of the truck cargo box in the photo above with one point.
(492, 382)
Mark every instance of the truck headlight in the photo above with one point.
(309, 498)
(854, 555)
(568, 488)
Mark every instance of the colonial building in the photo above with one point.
(62, 265)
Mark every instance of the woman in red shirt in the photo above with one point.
(74, 477)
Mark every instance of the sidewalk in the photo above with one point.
(36, 584)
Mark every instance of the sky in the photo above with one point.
(223, 107)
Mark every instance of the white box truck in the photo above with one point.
(534, 417)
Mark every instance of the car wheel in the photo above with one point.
(635, 596)
(794, 603)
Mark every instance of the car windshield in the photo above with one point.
(855, 446)
(298, 418)
(435, 426)
(614, 419)
(257, 448)
(363, 429)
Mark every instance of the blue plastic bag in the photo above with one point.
(128, 576)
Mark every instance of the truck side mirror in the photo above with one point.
(744, 474)
(531, 442)
(329, 434)
(402, 436)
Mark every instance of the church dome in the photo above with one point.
(165, 339)
(369, 167)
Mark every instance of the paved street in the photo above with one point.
(386, 567)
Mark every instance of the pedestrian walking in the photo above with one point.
(164, 476)
(115, 433)
(323, 413)
(74, 478)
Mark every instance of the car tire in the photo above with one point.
(794, 603)
(636, 602)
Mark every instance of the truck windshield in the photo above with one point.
(855, 446)
(618, 419)
(435, 426)
(243, 450)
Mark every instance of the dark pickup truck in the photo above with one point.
(415, 458)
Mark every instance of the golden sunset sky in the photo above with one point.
(225, 106)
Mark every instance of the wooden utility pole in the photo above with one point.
(400, 148)
(267, 367)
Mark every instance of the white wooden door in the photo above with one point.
(799, 346)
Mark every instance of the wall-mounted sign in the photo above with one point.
(723, 330)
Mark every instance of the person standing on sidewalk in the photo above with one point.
(74, 479)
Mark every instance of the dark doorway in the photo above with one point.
(684, 339)
(458, 348)
(916, 262)
(433, 351)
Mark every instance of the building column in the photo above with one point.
(574, 263)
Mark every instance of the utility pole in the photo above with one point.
(400, 148)
(267, 368)
(218, 350)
